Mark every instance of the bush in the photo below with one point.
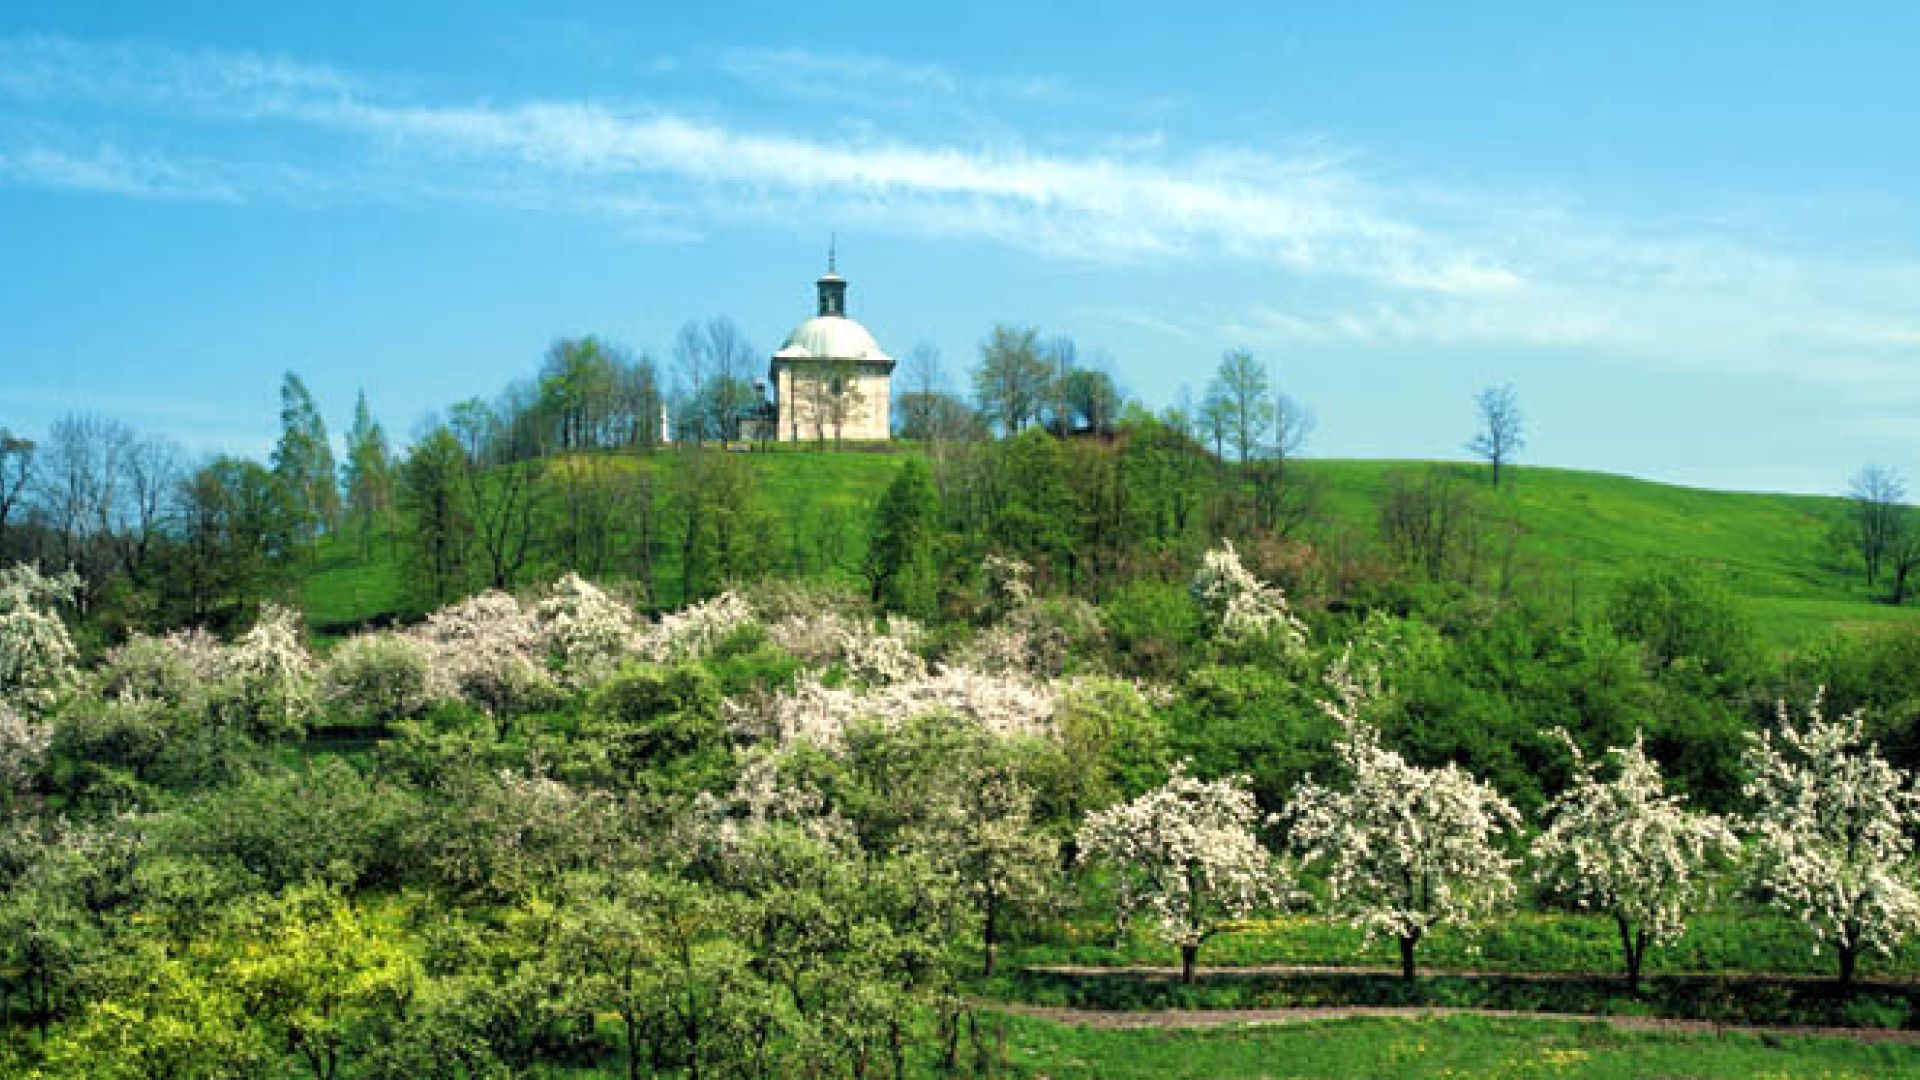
(1153, 626)
(661, 719)
(377, 678)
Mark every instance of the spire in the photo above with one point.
(833, 287)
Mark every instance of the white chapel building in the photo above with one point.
(831, 380)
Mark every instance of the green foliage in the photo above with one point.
(282, 828)
(903, 556)
(660, 720)
(440, 533)
(1154, 627)
(1683, 618)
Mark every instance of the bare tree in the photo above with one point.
(78, 486)
(690, 362)
(16, 474)
(922, 378)
(1293, 424)
(153, 476)
(1502, 433)
(730, 364)
(1878, 494)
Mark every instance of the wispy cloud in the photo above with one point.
(1408, 264)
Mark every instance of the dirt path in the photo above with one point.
(1149, 971)
(1190, 1019)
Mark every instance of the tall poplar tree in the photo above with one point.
(368, 475)
(303, 459)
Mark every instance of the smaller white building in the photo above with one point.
(831, 380)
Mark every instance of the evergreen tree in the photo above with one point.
(902, 556)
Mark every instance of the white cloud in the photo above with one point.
(1407, 264)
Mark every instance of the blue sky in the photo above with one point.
(1691, 240)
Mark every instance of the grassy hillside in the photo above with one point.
(1581, 532)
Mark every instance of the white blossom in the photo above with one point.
(23, 747)
(1040, 638)
(487, 650)
(830, 638)
(1009, 582)
(1625, 849)
(36, 652)
(1405, 848)
(1241, 609)
(1185, 856)
(268, 672)
(694, 631)
(813, 712)
(1833, 827)
(587, 632)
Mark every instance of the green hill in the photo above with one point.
(1579, 533)
(1583, 531)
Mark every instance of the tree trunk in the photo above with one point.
(1848, 957)
(1635, 948)
(992, 933)
(1188, 954)
(1406, 956)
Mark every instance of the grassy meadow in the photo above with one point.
(1443, 1046)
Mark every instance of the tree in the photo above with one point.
(1502, 433)
(1240, 389)
(903, 555)
(303, 458)
(731, 360)
(433, 494)
(1214, 422)
(1089, 400)
(1185, 854)
(978, 829)
(1011, 382)
(239, 528)
(1405, 848)
(1876, 495)
(922, 378)
(37, 655)
(79, 480)
(1681, 617)
(16, 474)
(1903, 554)
(1833, 827)
(319, 973)
(1625, 849)
(722, 533)
(368, 475)
(649, 949)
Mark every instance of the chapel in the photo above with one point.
(831, 380)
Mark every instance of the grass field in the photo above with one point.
(1727, 943)
(1581, 532)
(1456, 1047)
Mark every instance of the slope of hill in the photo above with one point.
(1579, 533)
(1582, 531)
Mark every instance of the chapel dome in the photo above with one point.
(832, 337)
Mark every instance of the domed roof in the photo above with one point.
(832, 337)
